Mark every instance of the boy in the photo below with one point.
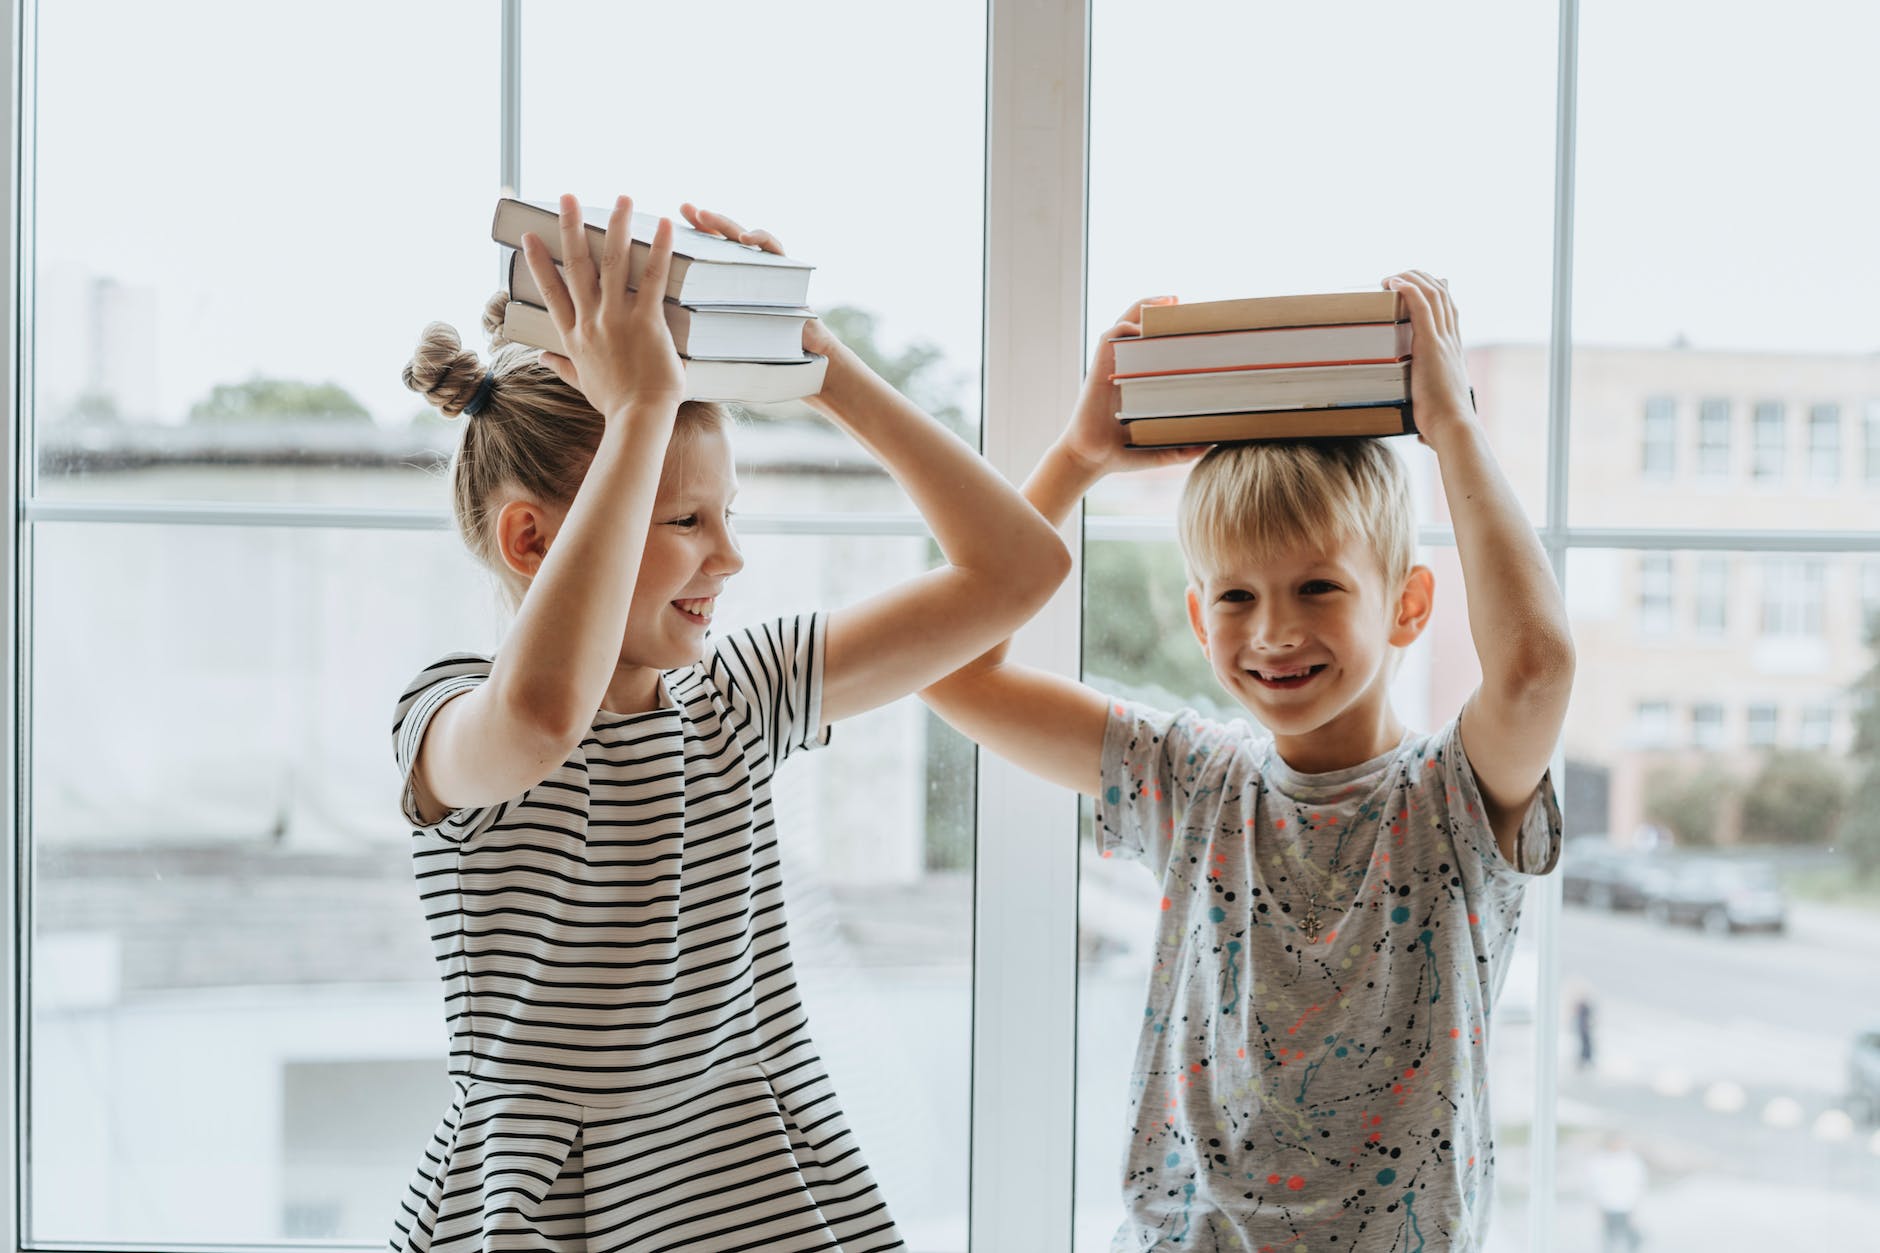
(1339, 897)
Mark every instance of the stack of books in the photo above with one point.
(1276, 367)
(736, 312)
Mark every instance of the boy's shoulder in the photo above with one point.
(1182, 739)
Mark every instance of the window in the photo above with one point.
(1655, 585)
(1767, 430)
(1870, 421)
(1870, 592)
(1817, 726)
(1707, 726)
(1762, 725)
(1793, 591)
(1713, 594)
(1660, 442)
(1824, 443)
(1651, 724)
(1713, 439)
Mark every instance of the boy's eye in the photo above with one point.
(1319, 586)
(1237, 595)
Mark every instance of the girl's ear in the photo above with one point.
(1196, 622)
(524, 531)
(1415, 599)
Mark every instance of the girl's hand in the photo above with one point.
(1094, 438)
(1439, 381)
(816, 336)
(620, 352)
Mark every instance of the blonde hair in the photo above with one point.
(534, 436)
(1256, 501)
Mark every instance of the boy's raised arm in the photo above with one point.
(1048, 724)
(1510, 724)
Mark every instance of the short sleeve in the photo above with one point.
(436, 684)
(771, 676)
(1154, 766)
(1537, 847)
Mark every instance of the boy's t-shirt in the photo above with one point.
(1312, 1069)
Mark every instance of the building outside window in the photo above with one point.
(1870, 422)
(1870, 594)
(1762, 725)
(1824, 443)
(1713, 438)
(1651, 724)
(1768, 439)
(1659, 444)
(1817, 729)
(1711, 611)
(1707, 726)
(1792, 596)
(1656, 578)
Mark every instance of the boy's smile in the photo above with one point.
(1304, 640)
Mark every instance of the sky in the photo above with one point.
(303, 189)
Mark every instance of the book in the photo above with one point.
(1361, 343)
(706, 270)
(732, 332)
(1235, 391)
(1226, 428)
(1260, 312)
(743, 381)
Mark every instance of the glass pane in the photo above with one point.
(1717, 939)
(898, 275)
(207, 299)
(1138, 646)
(235, 1028)
(1242, 150)
(1769, 353)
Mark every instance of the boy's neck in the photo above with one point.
(1351, 739)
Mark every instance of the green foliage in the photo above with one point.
(1860, 828)
(94, 406)
(916, 371)
(1136, 628)
(1796, 798)
(1689, 802)
(278, 399)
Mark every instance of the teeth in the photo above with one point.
(702, 607)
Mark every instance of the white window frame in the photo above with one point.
(1710, 595)
(1870, 424)
(1657, 593)
(1658, 438)
(1714, 419)
(1768, 441)
(1794, 598)
(1024, 1014)
(1816, 727)
(1758, 715)
(1824, 443)
(1708, 725)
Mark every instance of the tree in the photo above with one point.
(914, 371)
(1689, 803)
(1860, 829)
(1796, 798)
(276, 399)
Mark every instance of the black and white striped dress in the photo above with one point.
(631, 1063)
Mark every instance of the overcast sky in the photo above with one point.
(305, 189)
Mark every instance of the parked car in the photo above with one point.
(1719, 896)
(1598, 874)
(1863, 1076)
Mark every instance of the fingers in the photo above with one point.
(577, 265)
(617, 246)
(548, 277)
(1434, 293)
(718, 224)
(563, 368)
(658, 268)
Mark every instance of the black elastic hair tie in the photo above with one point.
(482, 396)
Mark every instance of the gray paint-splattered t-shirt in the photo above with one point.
(1294, 1091)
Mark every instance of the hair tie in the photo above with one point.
(482, 396)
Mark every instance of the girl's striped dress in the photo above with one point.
(631, 1063)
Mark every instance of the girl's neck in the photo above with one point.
(634, 690)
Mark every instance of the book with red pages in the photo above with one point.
(1236, 391)
(1228, 428)
(1360, 343)
(1261, 312)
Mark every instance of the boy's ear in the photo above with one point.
(1415, 600)
(1195, 620)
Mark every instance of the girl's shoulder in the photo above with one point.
(464, 669)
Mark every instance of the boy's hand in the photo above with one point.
(1094, 438)
(816, 336)
(1439, 382)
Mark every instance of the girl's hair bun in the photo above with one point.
(493, 319)
(442, 370)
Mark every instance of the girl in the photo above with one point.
(594, 839)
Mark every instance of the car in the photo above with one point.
(1863, 1075)
(1601, 875)
(1720, 896)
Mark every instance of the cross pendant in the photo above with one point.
(1310, 924)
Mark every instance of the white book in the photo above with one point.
(745, 382)
(1359, 343)
(733, 332)
(706, 269)
(1241, 391)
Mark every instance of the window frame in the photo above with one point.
(1714, 420)
(1658, 439)
(1037, 153)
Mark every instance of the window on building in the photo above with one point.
(1793, 593)
(1762, 725)
(1655, 593)
(1817, 729)
(1707, 725)
(1651, 724)
(1712, 607)
(1713, 439)
(1768, 436)
(1659, 446)
(1824, 443)
(1870, 423)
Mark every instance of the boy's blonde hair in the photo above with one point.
(534, 435)
(1256, 501)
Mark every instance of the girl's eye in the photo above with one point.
(689, 520)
